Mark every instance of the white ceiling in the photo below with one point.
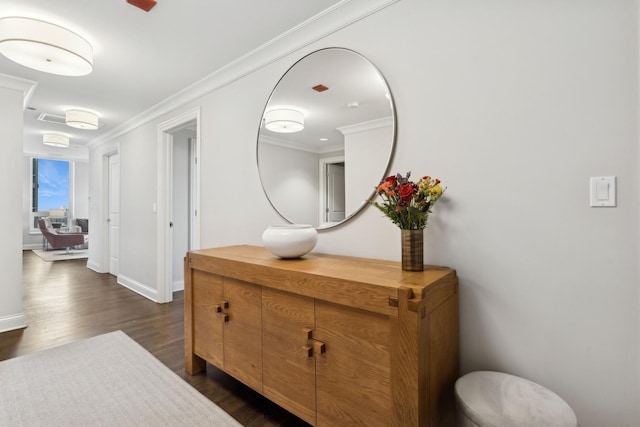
(141, 58)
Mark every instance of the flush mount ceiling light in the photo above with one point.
(284, 120)
(45, 47)
(81, 119)
(55, 140)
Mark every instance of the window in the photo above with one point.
(49, 191)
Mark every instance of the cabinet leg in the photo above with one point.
(194, 364)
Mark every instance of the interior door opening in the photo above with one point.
(178, 200)
(335, 192)
(181, 222)
(332, 190)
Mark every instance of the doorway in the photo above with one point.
(178, 223)
(332, 190)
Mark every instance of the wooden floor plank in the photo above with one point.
(64, 301)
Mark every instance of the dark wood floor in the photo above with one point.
(64, 301)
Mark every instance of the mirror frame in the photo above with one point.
(392, 146)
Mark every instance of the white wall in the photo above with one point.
(81, 190)
(365, 147)
(290, 177)
(28, 240)
(514, 105)
(11, 104)
(138, 195)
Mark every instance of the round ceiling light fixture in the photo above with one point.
(45, 47)
(284, 120)
(81, 119)
(55, 140)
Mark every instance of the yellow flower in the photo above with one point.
(423, 185)
(435, 192)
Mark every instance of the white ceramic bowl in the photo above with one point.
(290, 241)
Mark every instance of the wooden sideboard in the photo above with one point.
(335, 340)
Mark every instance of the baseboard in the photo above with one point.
(177, 285)
(92, 265)
(10, 323)
(139, 288)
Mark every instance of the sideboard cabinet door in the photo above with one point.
(288, 361)
(208, 323)
(243, 332)
(353, 375)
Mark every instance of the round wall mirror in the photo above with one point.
(326, 138)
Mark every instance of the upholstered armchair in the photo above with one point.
(60, 240)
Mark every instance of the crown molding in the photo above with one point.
(331, 20)
(56, 156)
(368, 125)
(27, 87)
(294, 145)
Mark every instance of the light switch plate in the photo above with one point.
(602, 191)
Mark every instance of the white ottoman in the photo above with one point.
(496, 399)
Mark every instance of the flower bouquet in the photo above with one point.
(408, 205)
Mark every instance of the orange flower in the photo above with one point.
(388, 186)
(385, 187)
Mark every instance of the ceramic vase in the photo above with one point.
(290, 241)
(412, 250)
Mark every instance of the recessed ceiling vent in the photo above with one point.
(145, 5)
(50, 118)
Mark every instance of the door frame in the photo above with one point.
(110, 190)
(103, 266)
(164, 253)
(322, 182)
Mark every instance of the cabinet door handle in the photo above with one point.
(319, 347)
(308, 350)
(307, 334)
(316, 347)
(220, 307)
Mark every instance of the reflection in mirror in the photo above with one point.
(326, 138)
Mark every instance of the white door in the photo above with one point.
(114, 214)
(335, 192)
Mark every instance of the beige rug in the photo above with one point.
(108, 380)
(61, 254)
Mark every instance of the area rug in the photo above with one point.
(61, 254)
(107, 380)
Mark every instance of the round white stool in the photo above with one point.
(496, 399)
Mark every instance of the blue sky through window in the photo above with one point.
(53, 184)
